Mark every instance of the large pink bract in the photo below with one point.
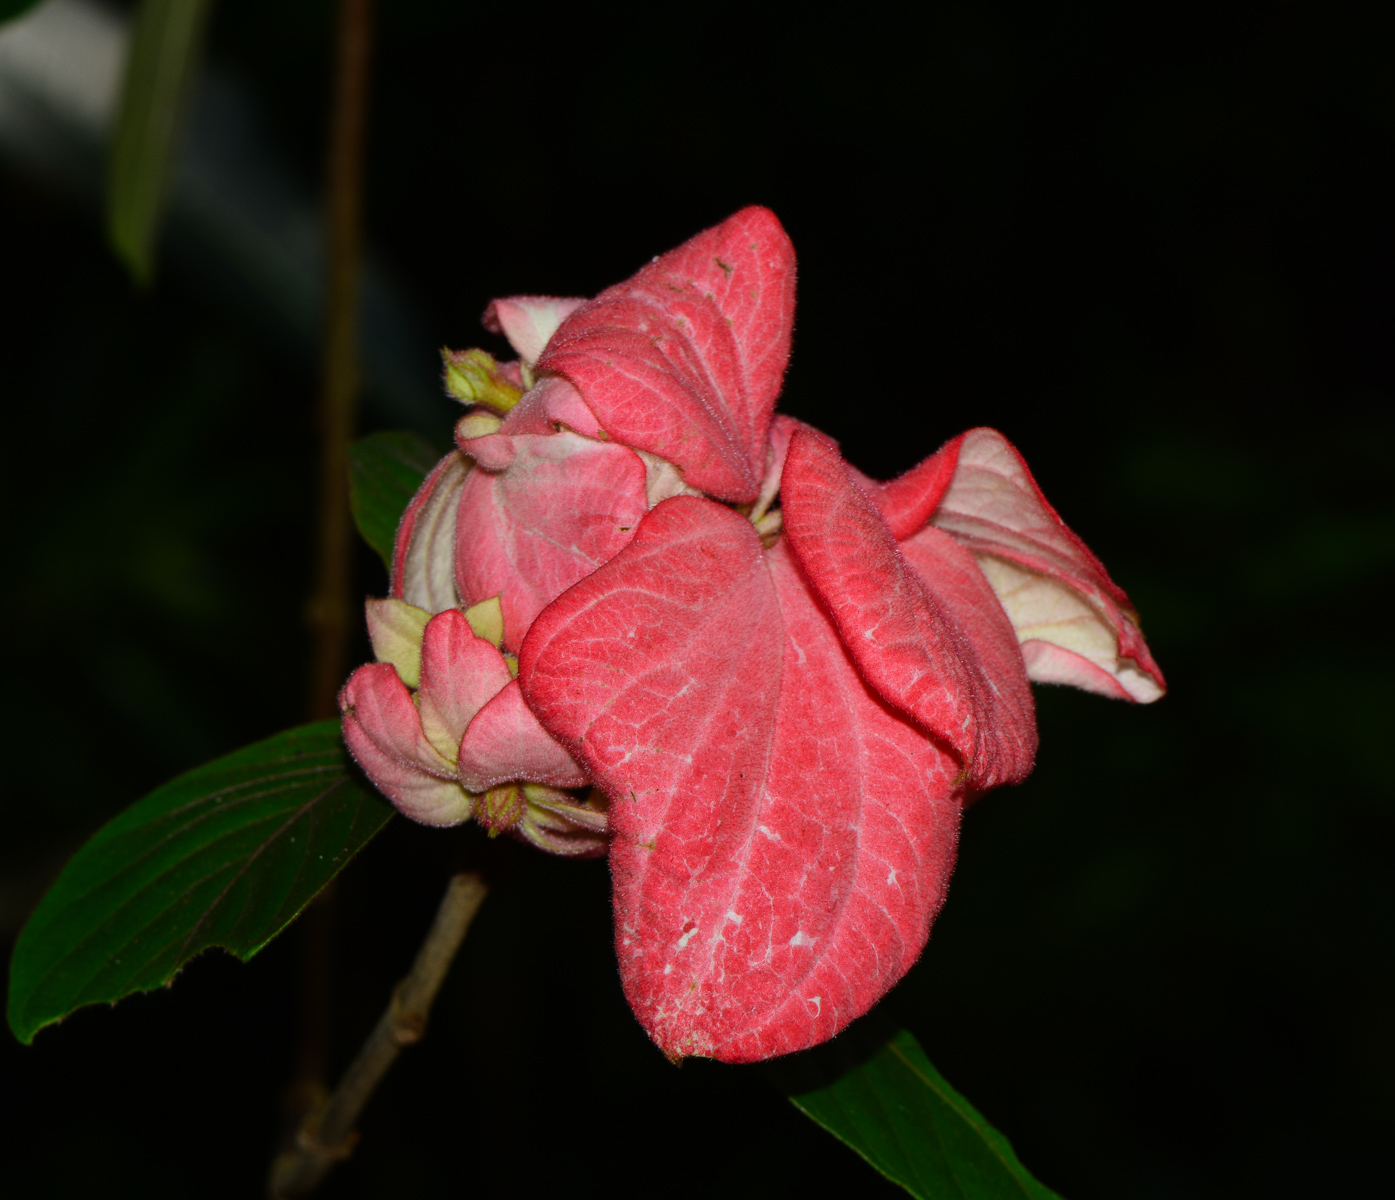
(784, 679)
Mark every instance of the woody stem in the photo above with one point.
(326, 1136)
(330, 603)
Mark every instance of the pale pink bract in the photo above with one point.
(767, 683)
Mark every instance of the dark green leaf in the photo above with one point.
(385, 470)
(873, 1088)
(226, 855)
(166, 44)
(10, 9)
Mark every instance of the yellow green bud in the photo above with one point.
(474, 377)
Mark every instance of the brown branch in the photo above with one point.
(329, 611)
(327, 1135)
(330, 615)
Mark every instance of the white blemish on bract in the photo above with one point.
(687, 937)
(731, 916)
(801, 939)
(774, 837)
(817, 1002)
(891, 879)
(668, 970)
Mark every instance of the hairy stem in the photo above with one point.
(327, 1135)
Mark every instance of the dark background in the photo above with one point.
(1156, 252)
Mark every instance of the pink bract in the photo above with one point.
(770, 682)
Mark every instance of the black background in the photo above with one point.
(1155, 250)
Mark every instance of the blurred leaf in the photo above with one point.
(385, 470)
(225, 855)
(873, 1088)
(10, 9)
(166, 45)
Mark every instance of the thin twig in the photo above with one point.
(330, 614)
(327, 1135)
(329, 609)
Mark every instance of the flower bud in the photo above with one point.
(474, 377)
(500, 808)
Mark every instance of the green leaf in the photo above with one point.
(385, 470)
(226, 855)
(10, 9)
(166, 45)
(873, 1088)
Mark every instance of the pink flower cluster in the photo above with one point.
(636, 611)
